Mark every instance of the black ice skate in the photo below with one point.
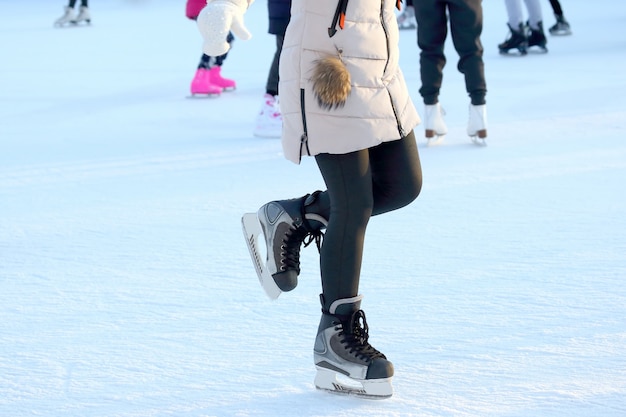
(537, 37)
(346, 363)
(561, 27)
(285, 226)
(517, 40)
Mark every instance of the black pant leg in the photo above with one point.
(466, 24)
(432, 29)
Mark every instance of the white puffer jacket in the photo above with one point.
(378, 107)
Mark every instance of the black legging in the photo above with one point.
(72, 3)
(208, 62)
(556, 7)
(359, 185)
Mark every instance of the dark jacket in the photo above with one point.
(279, 13)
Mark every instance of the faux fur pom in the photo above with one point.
(331, 82)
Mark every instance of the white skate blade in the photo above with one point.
(377, 389)
(478, 141)
(435, 140)
(252, 231)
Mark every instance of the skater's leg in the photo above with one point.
(466, 23)
(514, 12)
(84, 3)
(396, 174)
(71, 3)
(562, 26)
(534, 13)
(271, 85)
(517, 38)
(349, 185)
(215, 74)
(361, 184)
(556, 7)
(432, 29)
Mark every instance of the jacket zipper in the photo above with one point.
(393, 107)
(304, 139)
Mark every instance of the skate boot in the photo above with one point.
(68, 17)
(477, 124)
(537, 37)
(215, 77)
(561, 27)
(83, 16)
(285, 226)
(201, 84)
(269, 121)
(406, 19)
(434, 125)
(342, 350)
(516, 40)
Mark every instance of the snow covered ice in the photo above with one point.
(126, 288)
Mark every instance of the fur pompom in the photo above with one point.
(331, 82)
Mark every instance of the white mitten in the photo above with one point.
(217, 19)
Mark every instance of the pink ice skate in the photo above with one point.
(201, 84)
(215, 78)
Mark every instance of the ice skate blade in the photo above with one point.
(431, 134)
(201, 96)
(251, 231)
(478, 140)
(375, 389)
(435, 140)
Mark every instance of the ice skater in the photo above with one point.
(208, 78)
(344, 102)
(70, 18)
(466, 24)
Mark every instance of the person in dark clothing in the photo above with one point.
(269, 120)
(466, 22)
(561, 27)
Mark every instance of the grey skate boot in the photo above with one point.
(342, 350)
(286, 227)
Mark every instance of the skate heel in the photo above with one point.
(429, 133)
(329, 380)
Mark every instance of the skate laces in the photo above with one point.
(290, 249)
(356, 340)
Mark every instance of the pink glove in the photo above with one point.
(193, 8)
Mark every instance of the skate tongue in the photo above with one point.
(356, 336)
(344, 306)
